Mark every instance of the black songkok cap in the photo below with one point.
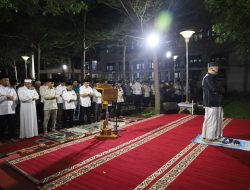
(3, 76)
(86, 80)
(212, 64)
(50, 80)
(69, 83)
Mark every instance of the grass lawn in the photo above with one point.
(237, 108)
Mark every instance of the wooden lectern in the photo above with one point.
(109, 94)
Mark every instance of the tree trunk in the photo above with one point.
(72, 70)
(124, 62)
(83, 57)
(245, 78)
(38, 60)
(156, 83)
(15, 69)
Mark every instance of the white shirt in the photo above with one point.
(120, 95)
(146, 90)
(67, 96)
(49, 103)
(97, 98)
(137, 88)
(7, 106)
(60, 90)
(41, 91)
(152, 88)
(85, 101)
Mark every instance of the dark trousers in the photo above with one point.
(137, 100)
(85, 111)
(9, 121)
(97, 111)
(59, 115)
(119, 109)
(39, 113)
(146, 101)
(68, 118)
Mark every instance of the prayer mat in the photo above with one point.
(24, 144)
(94, 127)
(62, 135)
(226, 142)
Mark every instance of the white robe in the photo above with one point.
(28, 119)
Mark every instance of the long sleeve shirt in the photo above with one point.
(60, 90)
(50, 95)
(69, 98)
(137, 88)
(85, 101)
(7, 106)
(97, 98)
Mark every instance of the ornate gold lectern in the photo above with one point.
(109, 94)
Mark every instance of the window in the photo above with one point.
(110, 67)
(94, 65)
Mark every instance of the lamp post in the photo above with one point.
(174, 58)
(153, 41)
(186, 35)
(25, 58)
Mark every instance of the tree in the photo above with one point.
(38, 31)
(230, 24)
(142, 13)
(229, 19)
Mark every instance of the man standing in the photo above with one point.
(8, 101)
(60, 88)
(77, 102)
(212, 101)
(86, 92)
(97, 103)
(137, 91)
(28, 119)
(50, 106)
(69, 98)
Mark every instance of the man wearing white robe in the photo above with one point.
(28, 119)
(212, 102)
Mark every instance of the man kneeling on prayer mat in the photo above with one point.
(28, 119)
(212, 102)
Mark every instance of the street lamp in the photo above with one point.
(168, 54)
(153, 41)
(25, 58)
(186, 35)
(174, 58)
(64, 67)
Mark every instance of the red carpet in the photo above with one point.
(154, 154)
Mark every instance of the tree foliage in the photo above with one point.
(230, 23)
(139, 12)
